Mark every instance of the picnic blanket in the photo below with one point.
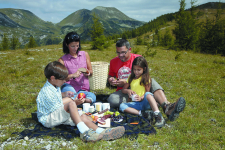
(69, 132)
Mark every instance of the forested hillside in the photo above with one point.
(200, 29)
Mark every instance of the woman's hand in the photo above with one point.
(88, 73)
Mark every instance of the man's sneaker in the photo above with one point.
(90, 135)
(172, 110)
(147, 114)
(113, 133)
(159, 120)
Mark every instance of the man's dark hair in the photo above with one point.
(56, 69)
(70, 37)
(123, 42)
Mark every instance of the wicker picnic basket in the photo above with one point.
(99, 77)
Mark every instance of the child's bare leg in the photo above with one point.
(152, 102)
(88, 122)
(71, 108)
(132, 111)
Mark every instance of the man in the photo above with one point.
(120, 68)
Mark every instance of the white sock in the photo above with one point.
(82, 127)
(99, 130)
(156, 112)
(140, 113)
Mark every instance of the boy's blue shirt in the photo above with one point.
(49, 99)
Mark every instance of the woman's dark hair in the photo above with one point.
(140, 61)
(56, 69)
(70, 37)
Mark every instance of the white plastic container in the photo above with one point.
(91, 109)
(133, 97)
(105, 106)
(86, 107)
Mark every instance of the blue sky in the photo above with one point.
(56, 10)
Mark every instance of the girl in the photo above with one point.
(139, 83)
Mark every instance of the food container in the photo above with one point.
(133, 97)
(91, 109)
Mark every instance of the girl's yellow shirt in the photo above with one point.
(136, 87)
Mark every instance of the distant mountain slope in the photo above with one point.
(7, 22)
(23, 23)
(113, 20)
(26, 19)
(211, 5)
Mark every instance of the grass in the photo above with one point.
(199, 78)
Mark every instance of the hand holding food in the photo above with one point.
(81, 95)
(85, 71)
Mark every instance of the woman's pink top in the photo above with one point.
(72, 64)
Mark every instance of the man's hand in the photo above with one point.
(112, 81)
(118, 82)
(121, 82)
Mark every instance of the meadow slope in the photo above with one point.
(199, 78)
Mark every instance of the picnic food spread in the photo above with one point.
(105, 116)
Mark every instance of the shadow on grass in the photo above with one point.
(27, 121)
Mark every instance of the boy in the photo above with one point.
(53, 110)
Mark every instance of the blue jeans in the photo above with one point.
(89, 95)
(142, 105)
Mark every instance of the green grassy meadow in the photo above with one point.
(199, 78)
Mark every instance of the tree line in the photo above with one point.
(13, 43)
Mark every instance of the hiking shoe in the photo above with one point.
(112, 133)
(147, 114)
(90, 135)
(172, 110)
(159, 120)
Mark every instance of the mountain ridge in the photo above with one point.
(24, 23)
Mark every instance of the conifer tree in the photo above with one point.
(167, 39)
(139, 41)
(97, 34)
(5, 42)
(32, 42)
(186, 31)
(212, 38)
(14, 42)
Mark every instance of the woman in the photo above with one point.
(78, 64)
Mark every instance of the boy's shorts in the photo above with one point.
(59, 116)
